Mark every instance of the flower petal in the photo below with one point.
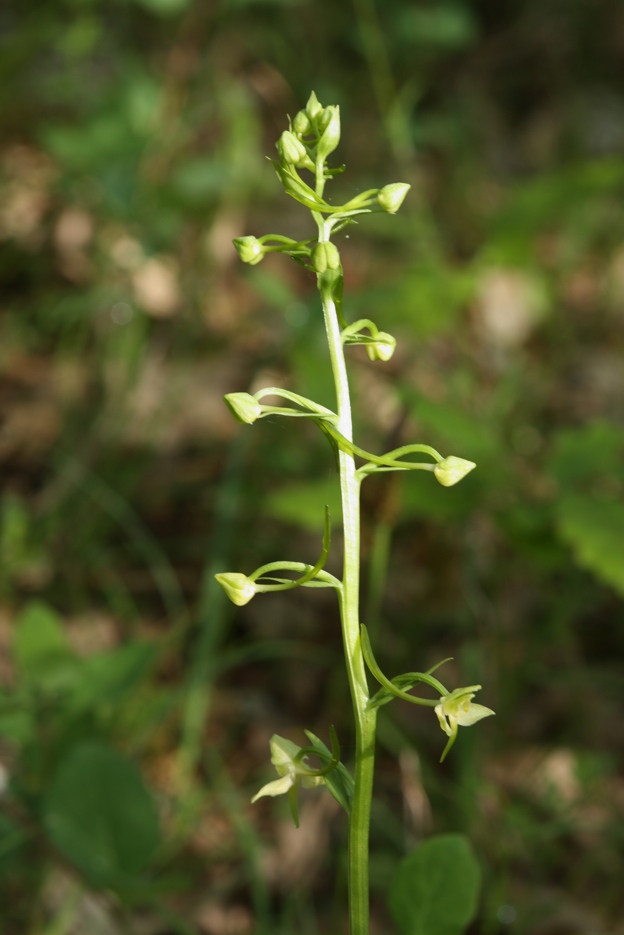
(444, 722)
(473, 714)
(277, 787)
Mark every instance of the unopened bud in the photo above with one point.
(244, 407)
(391, 197)
(249, 249)
(325, 256)
(292, 151)
(301, 124)
(330, 124)
(383, 348)
(238, 587)
(451, 470)
(313, 107)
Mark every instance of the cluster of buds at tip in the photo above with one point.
(244, 407)
(392, 196)
(382, 348)
(451, 470)
(238, 587)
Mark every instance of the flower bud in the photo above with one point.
(451, 470)
(244, 407)
(238, 587)
(383, 348)
(391, 197)
(330, 123)
(291, 150)
(313, 107)
(301, 124)
(249, 249)
(325, 256)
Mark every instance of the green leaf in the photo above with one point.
(594, 529)
(587, 456)
(100, 815)
(164, 7)
(41, 651)
(106, 677)
(436, 889)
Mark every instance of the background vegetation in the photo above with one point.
(136, 707)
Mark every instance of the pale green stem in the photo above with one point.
(349, 609)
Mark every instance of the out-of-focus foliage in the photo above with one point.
(135, 707)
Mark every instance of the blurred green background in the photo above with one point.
(136, 705)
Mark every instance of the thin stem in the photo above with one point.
(365, 718)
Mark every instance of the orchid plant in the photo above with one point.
(312, 137)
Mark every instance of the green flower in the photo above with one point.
(451, 470)
(392, 196)
(457, 710)
(292, 771)
(237, 586)
(244, 407)
(249, 249)
(382, 348)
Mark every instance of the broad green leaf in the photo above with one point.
(594, 529)
(164, 7)
(587, 455)
(100, 815)
(105, 677)
(40, 649)
(436, 889)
